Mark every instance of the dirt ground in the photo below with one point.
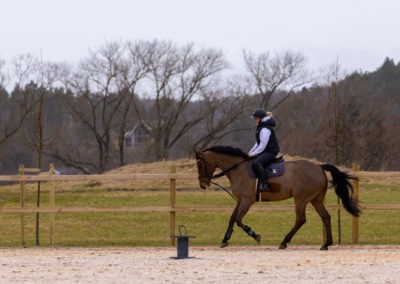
(258, 264)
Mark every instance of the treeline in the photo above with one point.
(352, 118)
(185, 97)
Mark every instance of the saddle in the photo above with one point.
(275, 169)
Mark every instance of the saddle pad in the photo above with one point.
(273, 170)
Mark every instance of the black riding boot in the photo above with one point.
(261, 176)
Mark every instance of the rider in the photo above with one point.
(266, 147)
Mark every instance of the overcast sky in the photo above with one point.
(360, 33)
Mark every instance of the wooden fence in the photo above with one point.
(171, 209)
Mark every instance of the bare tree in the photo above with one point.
(337, 112)
(377, 146)
(96, 103)
(103, 87)
(222, 108)
(136, 68)
(3, 74)
(268, 73)
(336, 115)
(24, 100)
(3, 83)
(176, 76)
(37, 138)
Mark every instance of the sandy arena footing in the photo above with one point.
(255, 264)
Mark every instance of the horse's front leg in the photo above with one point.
(229, 232)
(243, 208)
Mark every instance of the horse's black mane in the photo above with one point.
(228, 150)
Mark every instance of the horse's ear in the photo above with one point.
(198, 154)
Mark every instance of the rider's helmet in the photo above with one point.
(259, 113)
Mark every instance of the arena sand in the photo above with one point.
(254, 264)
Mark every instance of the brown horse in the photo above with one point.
(303, 180)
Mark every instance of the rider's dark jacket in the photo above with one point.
(272, 145)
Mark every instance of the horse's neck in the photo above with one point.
(224, 161)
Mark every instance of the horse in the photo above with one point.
(303, 180)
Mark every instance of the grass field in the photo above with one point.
(152, 229)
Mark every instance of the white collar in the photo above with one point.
(266, 118)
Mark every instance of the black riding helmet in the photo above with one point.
(259, 113)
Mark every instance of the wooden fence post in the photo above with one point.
(22, 204)
(52, 193)
(172, 199)
(355, 227)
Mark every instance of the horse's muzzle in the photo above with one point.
(206, 185)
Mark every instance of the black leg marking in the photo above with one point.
(229, 232)
(251, 233)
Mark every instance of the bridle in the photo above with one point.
(221, 174)
(202, 159)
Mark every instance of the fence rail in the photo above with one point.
(172, 209)
(180, 208)
(87, 178)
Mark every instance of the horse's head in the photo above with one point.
(204, 168)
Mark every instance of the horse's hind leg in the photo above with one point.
(229, 232)
(326, 219)
(243, 208)
(300, 220)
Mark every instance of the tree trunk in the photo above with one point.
(40, 150)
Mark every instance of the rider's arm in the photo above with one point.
(264, 138)
(254, 147)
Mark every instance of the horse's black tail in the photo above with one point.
(343, 189)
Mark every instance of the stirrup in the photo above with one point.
(261, 187)
(264, 187)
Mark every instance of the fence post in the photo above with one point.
(355, 227)
(22, 204)
(172, 199)
(52, 192)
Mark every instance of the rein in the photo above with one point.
(227, 190)
(221, 174)
(224, 172)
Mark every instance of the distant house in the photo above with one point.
(137, 135)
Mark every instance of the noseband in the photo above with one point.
(202, 159)
(224, 172)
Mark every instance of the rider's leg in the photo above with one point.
(259, 166)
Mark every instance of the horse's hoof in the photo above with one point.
(224, 245)
(324, 248)
(258, 238)
(283, 246)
